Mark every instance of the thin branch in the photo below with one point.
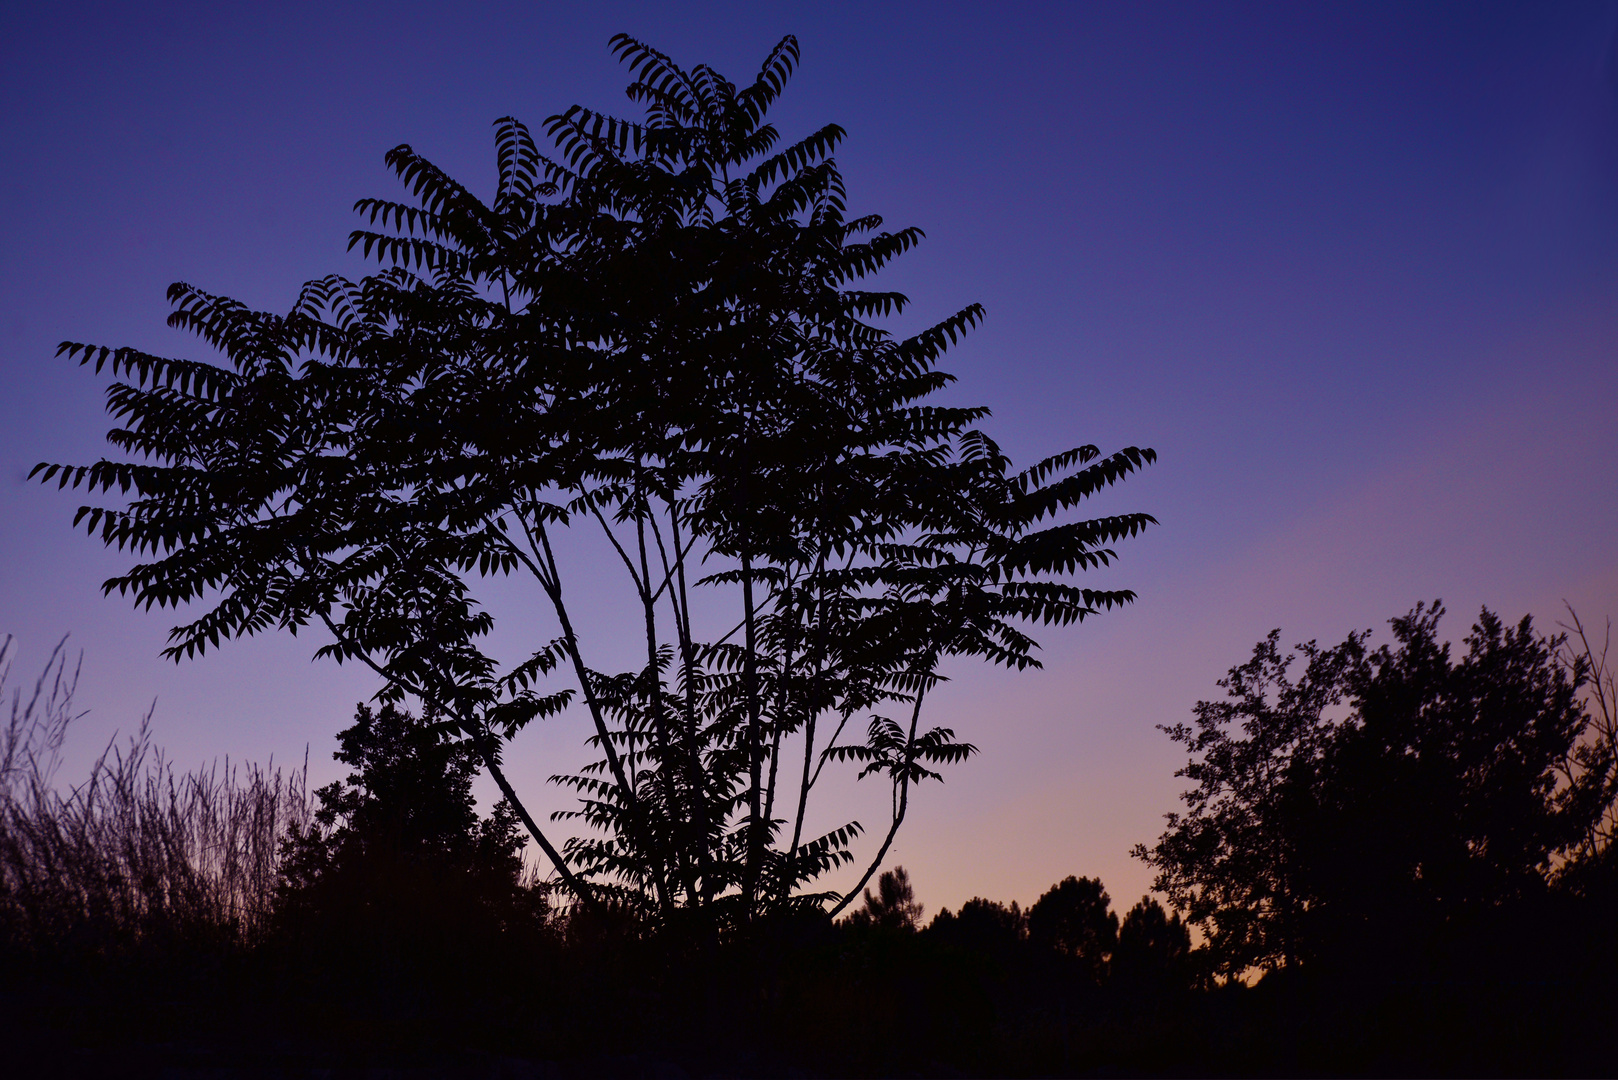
(615, 762)
(903, 785)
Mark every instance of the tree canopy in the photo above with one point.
(1385, 809)
(1075, 919)
(654, 332)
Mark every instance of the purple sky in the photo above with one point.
(1352, 270)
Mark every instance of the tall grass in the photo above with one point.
(136, 857)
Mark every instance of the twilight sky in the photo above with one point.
(1351, 269)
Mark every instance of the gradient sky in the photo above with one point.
(1351, 269)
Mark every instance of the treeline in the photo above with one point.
(1073, 921)
(153, 921)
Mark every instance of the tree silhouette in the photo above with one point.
(652, 336)
(1389, 810)
(1154, 949)
(1594, 763)
(894, 906)
(1074, 919)
(408, 796)
(397, 867)
(1232, 860)
(981, 925)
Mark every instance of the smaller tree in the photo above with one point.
(1154, 949)
(1075, 919)
(894, 907)
(981, 926)
(1231, 860)
(1387, 811)
(397, 854)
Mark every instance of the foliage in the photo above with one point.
(408, 800)
(1074, 919)
(396, 867)
(971, 995)
(653, 335)
(1594, 762)
(1387, 809)
(1153, 950)
(894, 907)
(981, 925)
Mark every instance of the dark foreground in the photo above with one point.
(809, 999)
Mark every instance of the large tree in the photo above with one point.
(652, 334)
